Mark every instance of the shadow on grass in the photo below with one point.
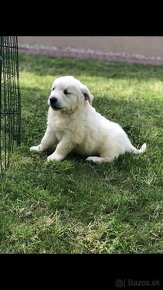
(130, 114)
(73, 184)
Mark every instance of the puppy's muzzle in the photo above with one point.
(54, 103)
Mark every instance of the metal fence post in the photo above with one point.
(10, 99)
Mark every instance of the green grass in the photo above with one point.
(73, 206)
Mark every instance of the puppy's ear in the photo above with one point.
(87, 95)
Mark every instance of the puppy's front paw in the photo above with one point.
(35, 148)
(55, 157)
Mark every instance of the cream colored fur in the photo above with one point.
(73, 124)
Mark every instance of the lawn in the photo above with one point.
(73, 206)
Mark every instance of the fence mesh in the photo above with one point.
(10, 100)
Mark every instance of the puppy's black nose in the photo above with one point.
(53, 101)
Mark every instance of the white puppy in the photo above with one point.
(73, 124)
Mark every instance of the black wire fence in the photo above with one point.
(10, 100)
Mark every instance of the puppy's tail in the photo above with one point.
(139, 151)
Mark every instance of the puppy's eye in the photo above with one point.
(66, 92)
(53, 89)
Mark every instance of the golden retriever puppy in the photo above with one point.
(73, 124)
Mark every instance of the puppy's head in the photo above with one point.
(68, 94)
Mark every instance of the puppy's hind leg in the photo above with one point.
(96, 159)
